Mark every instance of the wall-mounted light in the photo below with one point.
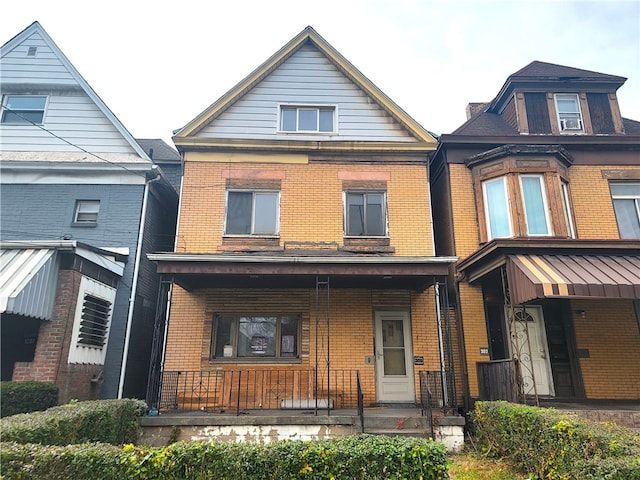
(581, 313)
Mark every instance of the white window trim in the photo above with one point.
(5, 99)
(567, 208)
(318, 106)
(487, 217)
(78, 211)
(345, 208)
(79, 353)
(544, 204)
(633, 197)
(276, 234)
(580, 114)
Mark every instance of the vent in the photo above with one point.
(32, 51)
(94, 322)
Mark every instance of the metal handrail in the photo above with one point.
(426, 400)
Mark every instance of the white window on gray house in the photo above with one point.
(365, 214)
(569, 114)
(86, 212)
(307, 119)
(252, 212)
(626, 203)
(23, 109)
(92, 321)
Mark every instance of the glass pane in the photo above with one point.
(308, 119)
(567, 104)
(289, 337)
(239, 212)
(393, 347)
(289, 119)
(497, 208)
(22, 117)
(355, 214)
(326, 120)
(375, 214)
(257, 337)
(627, 215)
(632, 189)
(534, 205)
(224, 337)
(266, 213)
(26, 103)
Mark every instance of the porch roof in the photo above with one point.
(194, 271)
(560, 268)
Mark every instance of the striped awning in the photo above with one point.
(563, 276)
(28, 279)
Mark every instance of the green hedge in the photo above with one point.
(359, 457)
(25, 397)
(107, 421)
(552, 444)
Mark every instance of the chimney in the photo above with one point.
(474, 108)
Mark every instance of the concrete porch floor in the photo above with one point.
(623, 413)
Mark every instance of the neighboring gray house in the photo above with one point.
(82, 203)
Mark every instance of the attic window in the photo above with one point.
(314, 119)
(32, 51)
(569, 114)
(23, 109)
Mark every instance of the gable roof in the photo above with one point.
(36, 28)
(158, 150)
(341, 63)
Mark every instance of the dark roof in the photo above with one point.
(484, 123)
(631, 127)
(551, 71)
(158, 150)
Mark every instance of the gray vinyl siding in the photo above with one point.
(306, 78)
(45, 212)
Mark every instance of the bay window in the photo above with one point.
(496, 207)
(535, 205)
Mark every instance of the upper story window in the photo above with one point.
(256, 336)
(23, 109)
(252, 212)
(365, 214)
(626, 203)
(534, 199)
(86, 212)
(569, 114)
(314, 119)
(496, 207)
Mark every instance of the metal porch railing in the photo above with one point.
(240, 390)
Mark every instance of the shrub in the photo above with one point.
(108, 421)
(25, 397)
(361, 457)
(556, 445)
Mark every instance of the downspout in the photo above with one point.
(134, 283)
(466, 395)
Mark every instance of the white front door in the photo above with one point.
(529, 344)
(394, 366)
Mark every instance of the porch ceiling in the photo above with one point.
(245, 271)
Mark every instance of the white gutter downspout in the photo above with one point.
(134, 283)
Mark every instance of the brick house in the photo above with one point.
(81, 203)
(304, 251)
(538, 194)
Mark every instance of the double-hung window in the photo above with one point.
(256, 336)
(86, 212)
(252, 212)
(23, 109)
(496, 205)
(314, 119)
(626, 203)
(535, 205)
(365, 214)
(569, 114)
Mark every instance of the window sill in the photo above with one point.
(84, 225)
(255, 361)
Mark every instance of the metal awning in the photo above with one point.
(194, 271)
(28, 279)
(561, 276)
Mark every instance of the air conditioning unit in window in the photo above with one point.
(570, 124)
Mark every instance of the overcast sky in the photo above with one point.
(158, 64)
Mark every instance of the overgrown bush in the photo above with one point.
(361, 457)
(25, 397)
(552, 444)
(107, 421)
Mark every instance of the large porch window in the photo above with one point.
(270, 336)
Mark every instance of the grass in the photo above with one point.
(470, 466)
